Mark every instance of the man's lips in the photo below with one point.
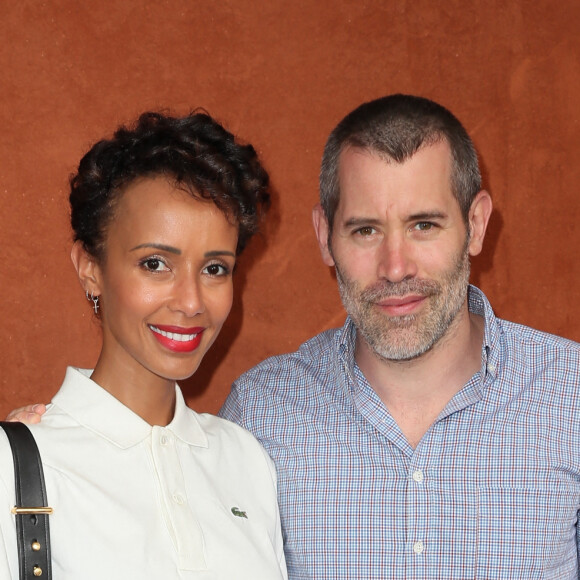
(401, 305)
(177, 338)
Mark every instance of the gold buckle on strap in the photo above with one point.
(19, 511)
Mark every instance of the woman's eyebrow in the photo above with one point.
(215, 253)
(162, 247)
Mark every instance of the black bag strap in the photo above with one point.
(31, 507)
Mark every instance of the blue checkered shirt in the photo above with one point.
(491, 491)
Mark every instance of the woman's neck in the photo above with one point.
(146, 394)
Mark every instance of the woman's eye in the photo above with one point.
(217, 270)
(154, 265)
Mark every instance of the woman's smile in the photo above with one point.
(177, 339)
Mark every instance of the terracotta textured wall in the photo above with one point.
(280, 74)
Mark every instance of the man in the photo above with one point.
(425, 438)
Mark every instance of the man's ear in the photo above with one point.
(479, 214)
(87, 269)
(321, 229)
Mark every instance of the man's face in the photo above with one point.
(401, 250)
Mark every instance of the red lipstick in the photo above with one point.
(177, 338)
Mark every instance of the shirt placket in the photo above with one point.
(184, 529)
(417, 517)
(441, 517)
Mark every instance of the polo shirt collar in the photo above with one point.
(97, 410)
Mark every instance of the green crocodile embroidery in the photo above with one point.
(238, 512)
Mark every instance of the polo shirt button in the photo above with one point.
(418, 547)
(166, 439)
(418, 476)
(178, 499)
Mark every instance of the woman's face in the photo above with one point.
(165, 283)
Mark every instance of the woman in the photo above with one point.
(141, 486)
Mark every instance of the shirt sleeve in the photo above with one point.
(5, 570)
(8, 547)
(578, 542)
(233, 409)
(276, 532)
(279, 543)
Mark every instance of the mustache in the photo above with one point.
(385, 289)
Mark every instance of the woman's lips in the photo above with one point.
(176, 338)
(401, 306)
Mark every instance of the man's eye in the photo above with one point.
(366, 231)
(424, 226)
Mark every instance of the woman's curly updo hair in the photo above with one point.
(195, 152)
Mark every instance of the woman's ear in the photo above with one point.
(87, 269)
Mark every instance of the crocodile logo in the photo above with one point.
(239, 513)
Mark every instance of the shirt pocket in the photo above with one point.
(527, 533)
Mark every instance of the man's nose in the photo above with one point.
(396, 259)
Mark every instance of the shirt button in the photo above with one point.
(166, 439)
(178, 499)
(418, 547)
(418, 476)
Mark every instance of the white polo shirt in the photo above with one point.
(195, 499)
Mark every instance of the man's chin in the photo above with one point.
(398, 346)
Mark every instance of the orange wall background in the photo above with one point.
(280, 74)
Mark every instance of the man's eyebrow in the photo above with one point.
(161, 247)
(427, 215)
(422, 216)
(361, 221)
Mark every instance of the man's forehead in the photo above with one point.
(439, 143)
(422, 182)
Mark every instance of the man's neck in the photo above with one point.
(416, 391)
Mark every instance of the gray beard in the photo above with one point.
(405, 338)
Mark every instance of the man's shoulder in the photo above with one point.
(286, 389)
(516, 337)
(540, 357)
(299, 379)
(537, 340)
(312, 357)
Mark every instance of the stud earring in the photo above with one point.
(95, 300)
